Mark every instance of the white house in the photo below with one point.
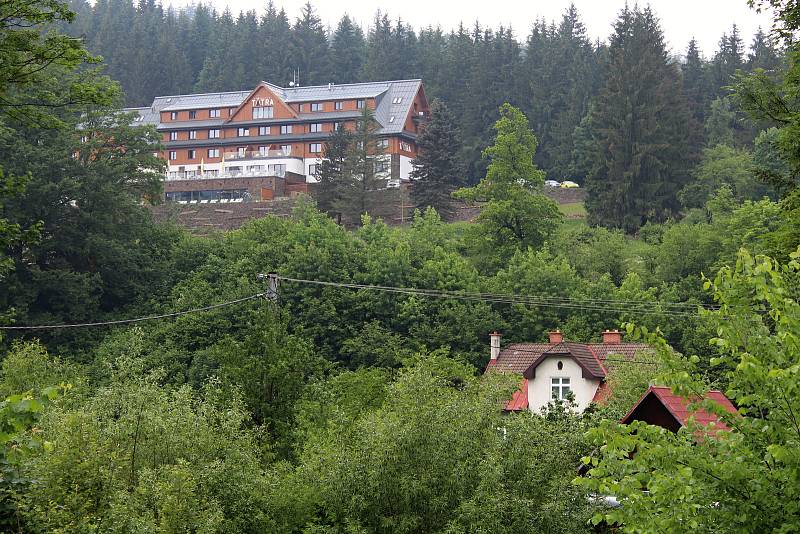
(553, 370)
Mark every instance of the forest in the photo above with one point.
(334, 408)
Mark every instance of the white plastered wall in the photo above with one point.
(539, 392)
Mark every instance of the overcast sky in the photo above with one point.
(681, 20)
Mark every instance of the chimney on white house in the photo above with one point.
(494, 345)
(612, 337)
(556, 336)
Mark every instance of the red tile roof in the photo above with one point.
(519, 401)
(678, 407)
(519, 357)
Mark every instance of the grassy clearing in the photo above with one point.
(573, 210)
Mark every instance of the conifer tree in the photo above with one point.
(334, 172)
(347, 52)
(763, 53)
(640, 124)
(366, 169)
(309, 47)
(437, 169)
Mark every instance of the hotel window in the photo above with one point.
(286, 149)
(300, 108)
(315, 148)
(317, 106)
(263, 150)
(381, 166)
(263, 130)
(312, 169)
(286, 129)
(192, 134)
(213, 134)
(338, 106)
(173, 116)
(213, 113)
(337, 126)
(360, 104)
(279, 169)
(192, 114)
(173, 136)
(397, 100)
(173, 155)
(192, 154)
(213, 152)
(241, 151)
(315, 127)
(382, 143)
(243, 132)
(263, 112)
(405, 147)
(559, 388)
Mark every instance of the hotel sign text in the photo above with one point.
(261, 102)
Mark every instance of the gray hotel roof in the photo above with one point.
(385, 93)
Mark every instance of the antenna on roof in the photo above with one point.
(295, 78)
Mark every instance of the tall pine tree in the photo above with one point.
(437, 169)
(640, 124)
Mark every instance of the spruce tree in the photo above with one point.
(437, 169)
(366, 172)
(640, 123)
(309, 47)
(334, 172)
(347, 52)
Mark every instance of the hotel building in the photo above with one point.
(268, 142)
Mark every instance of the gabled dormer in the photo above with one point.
(264, 102)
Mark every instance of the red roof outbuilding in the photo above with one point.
(660, 406)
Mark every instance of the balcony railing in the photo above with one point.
(215, 175)
(257, 154)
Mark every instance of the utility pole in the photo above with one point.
(271, 294)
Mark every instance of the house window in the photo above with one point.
(241, 151)
(360, 104)
(263, 112)
(316, 106)
(192, 114)
(173, 155)
(173, 116)
(397, 100)
(192, 134)
(192, 154)
(315, 127)
(279, 169)
(312, 169)
(383, 143)
(559, 388)
(286, 129)
(405, 147)
(337, 126)
(173, 136)
(263, 151)
(315, 148)
(213, 152)
(263, 130)
(300, 108)
(243, 132)
(338, 106)
(286, 149)
(213, 113)
(213, 134)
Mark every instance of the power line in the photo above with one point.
(621, 306)
(135, 320)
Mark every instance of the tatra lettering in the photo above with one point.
(261, 102)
